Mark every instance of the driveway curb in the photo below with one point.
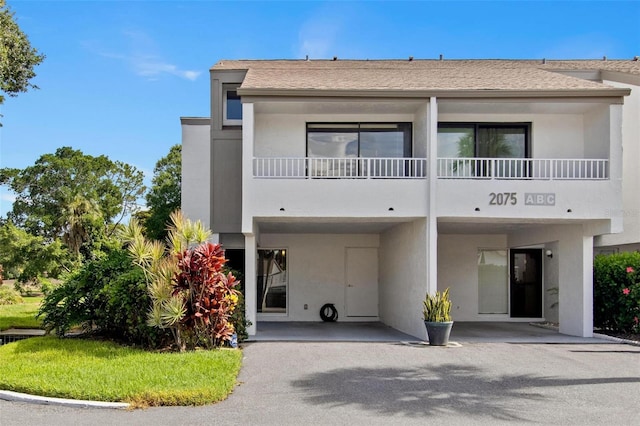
(596, 335)
(616, 339)
(45, 400)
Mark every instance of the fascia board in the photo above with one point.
(621, 77)
(601, 100)
(561, 93)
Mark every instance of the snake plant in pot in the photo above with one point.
(436, 312)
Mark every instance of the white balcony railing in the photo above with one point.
(523, 168)
(340, 168)
(416, 168)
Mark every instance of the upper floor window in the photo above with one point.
(468, 150)
(351, 140)
(483, 140)
(232, 105)
(360, 150)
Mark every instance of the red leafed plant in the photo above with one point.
(190, 294)
(209, 294)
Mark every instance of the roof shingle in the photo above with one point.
(422, 75)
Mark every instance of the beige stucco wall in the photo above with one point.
(196, 170)
(458, 270)
(630, 211)
(403, 276)
(316, 268)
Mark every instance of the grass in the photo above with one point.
(20, 315)
(104, 371)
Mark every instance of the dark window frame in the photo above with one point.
(226, 89)
(494, 125)
(357, 128)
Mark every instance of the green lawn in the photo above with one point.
(21, 315)
(104, 371)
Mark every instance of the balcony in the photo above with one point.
(339, 168)
(525, 188)
(416, 168)
(523, 168)
(307, 187)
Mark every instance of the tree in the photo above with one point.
(164, 196)
(27, 258)
(17, 57)
(76, 197)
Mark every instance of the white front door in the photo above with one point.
(362, 282)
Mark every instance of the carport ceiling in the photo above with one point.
(327, 227)
(480, 228)
(452, 226)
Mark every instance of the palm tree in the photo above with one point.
(79, 216)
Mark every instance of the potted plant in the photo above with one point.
(436, 312)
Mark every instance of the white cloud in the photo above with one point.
(6, 202)
(152, 67)
(143, 58)
(7, 197)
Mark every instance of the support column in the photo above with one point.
(250, 287)
(575, 297)
(247, 167)
(248, 227)
(432, 222)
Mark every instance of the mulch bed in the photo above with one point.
(627, 336)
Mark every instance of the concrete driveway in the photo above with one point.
(294, 383)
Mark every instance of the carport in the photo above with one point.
(462, 332)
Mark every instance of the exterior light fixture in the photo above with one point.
(281, 209)
(549, 254)
(477, 209)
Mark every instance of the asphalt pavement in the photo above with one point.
(329, 383)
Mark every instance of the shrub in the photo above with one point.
(239, 320)
(9, 296)
(208, 292)
(616, 298)
(190, 294)
(47, 285)
(106, 295)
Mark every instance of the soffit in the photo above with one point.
(319, 106)
(450, 106)
(496, 225)
(327, 225)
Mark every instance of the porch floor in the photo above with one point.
(462, 332)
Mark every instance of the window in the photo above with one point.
(483, 141)
(493, 293)
(272, 281)
(232, 105)
(348, 142)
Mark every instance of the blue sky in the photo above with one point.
(119, 74)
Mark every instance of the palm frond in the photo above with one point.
(173, 310)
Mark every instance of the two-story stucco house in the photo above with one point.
(368, 183)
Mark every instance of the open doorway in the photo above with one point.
(272, 281)
(526, 283)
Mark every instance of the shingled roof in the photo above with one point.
(424, 77)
